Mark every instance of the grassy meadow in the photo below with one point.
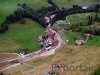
(68, 55)
(21, 36)
(95, 41)
(25, 35)
(69, 3)
(39, 5)
(9, 6)
(77, 19)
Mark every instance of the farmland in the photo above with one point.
(21, 36)
(59, 42)
(95, 41)
(68, 55)
(9, 6)
(77, 19)
(69, 3)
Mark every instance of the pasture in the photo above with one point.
(9, 6)
(95, 41)
(77, 19)
(21, 36)
(68, 55)
(69, 3)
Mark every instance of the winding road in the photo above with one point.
(20, 60)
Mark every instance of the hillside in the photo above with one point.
(69, 3)
(37, 42)
(68, 55)
(9, 6)
(21, 36)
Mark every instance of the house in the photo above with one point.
(87, 35)
(84, 7)
(79, 41)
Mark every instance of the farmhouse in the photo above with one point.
(79, 41)
(84, 7)
(87, 35)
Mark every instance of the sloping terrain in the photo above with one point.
(7, 56)
(68, 55)
(69, 3)
(9, 6)
(21, 36)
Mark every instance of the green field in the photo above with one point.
(9, 6)
(95, 41)
(77, 19)
(39, 5)
(74, 21)
(26, 35)
(69, 3)
(21, 36)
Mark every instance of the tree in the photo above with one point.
(22, 21)
(97, 8)
(96, 18)
(93, 29)
(90, 20)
